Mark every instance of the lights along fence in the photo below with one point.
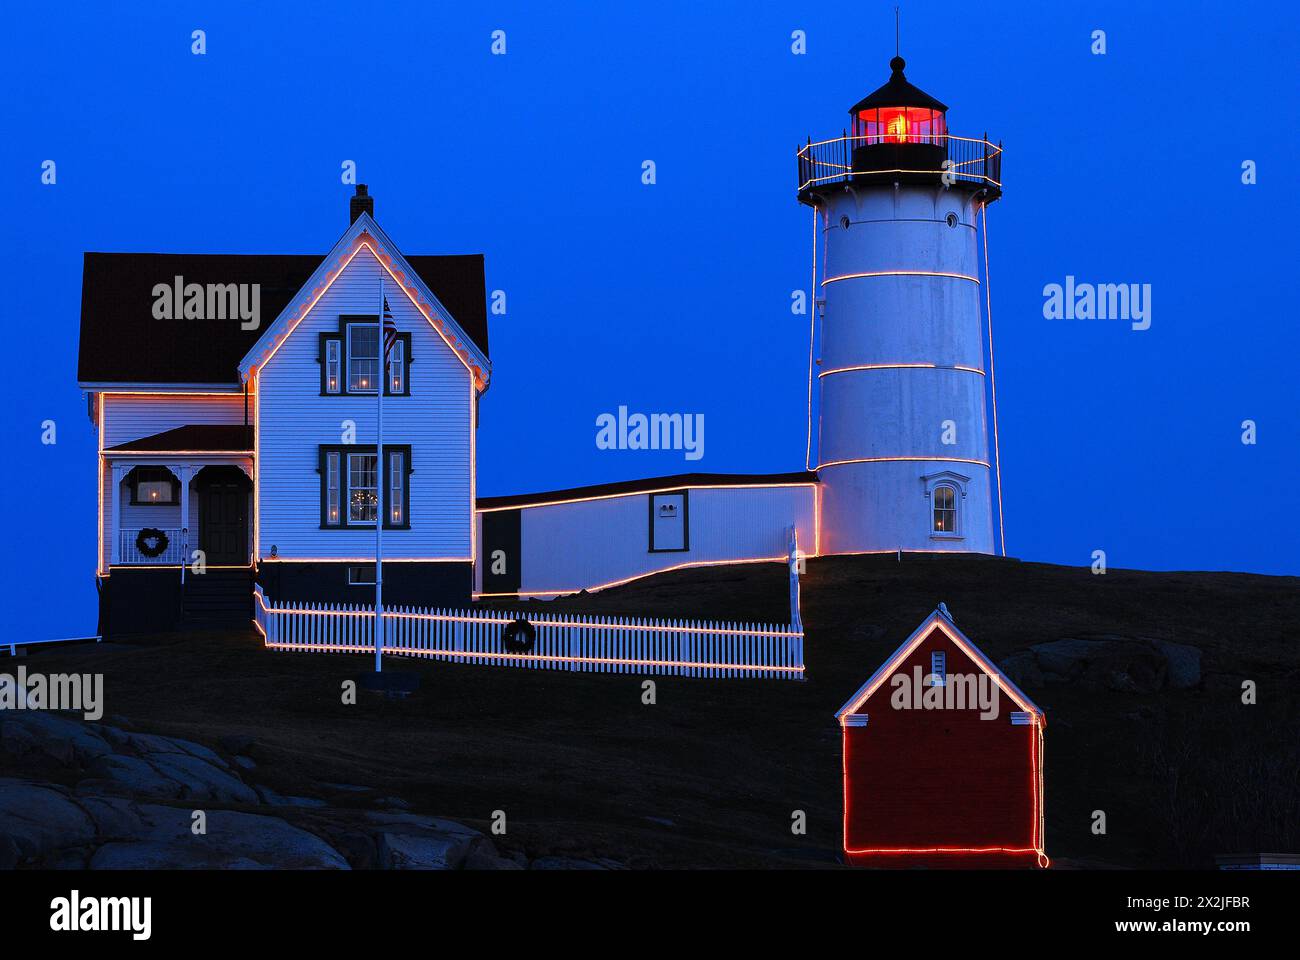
(561, 641)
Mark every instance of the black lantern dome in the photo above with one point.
(898, 92)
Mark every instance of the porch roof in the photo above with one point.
(193, 438)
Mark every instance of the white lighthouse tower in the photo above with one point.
(902, 442)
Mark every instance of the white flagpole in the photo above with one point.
(379, 489)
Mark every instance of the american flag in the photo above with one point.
(390, 329)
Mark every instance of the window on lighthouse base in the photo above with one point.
(945, 510)
(945, 493)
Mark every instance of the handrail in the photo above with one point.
(130, 556)
(967, 159)
(13, 645)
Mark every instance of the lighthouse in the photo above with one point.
(901, 441)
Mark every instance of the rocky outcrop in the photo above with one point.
(128, 801)
(1125, 664)
(37, 819)
(230, 841)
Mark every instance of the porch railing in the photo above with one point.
(562, 641)
(831, 161)
(130, 552)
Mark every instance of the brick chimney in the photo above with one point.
(360, 202)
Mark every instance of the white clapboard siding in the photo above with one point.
(589, 543)
(295, 419)
(131, 416)
(564, 641)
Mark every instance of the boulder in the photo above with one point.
(201, 780)
(234, 841)
(148, 744)
(1117, 663)
(60, 738)
(1023, 669)
(169, 775)
(129, 776)
(113, 817)
(422, 851)
(411, 841)
(1184, 663)
(39, 819)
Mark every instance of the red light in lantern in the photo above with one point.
(896, 127)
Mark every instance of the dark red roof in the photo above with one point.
(194, 436)
(675, 482)
(122, 341)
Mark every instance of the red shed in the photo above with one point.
(942, 760)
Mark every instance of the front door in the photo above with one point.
(223, 523)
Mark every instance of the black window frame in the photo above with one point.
(340, 336)
(385, 500)
(134, 478)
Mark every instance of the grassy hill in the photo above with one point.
(709, 775)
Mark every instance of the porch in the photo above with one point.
(159, 507)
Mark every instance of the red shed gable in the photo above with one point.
(902, 659)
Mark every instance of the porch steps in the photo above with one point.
(218, 598)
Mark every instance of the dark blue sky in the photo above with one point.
(676, 297)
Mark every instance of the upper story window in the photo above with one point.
(363, 358)
(350, 364)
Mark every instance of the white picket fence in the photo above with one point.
(563, 641)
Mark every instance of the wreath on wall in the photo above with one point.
(518, 636)
(151, 541)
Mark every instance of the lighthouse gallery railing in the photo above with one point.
(832, 161)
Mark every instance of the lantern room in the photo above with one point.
(899, 113)
(899, 127)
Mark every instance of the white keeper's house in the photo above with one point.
(234, 401)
